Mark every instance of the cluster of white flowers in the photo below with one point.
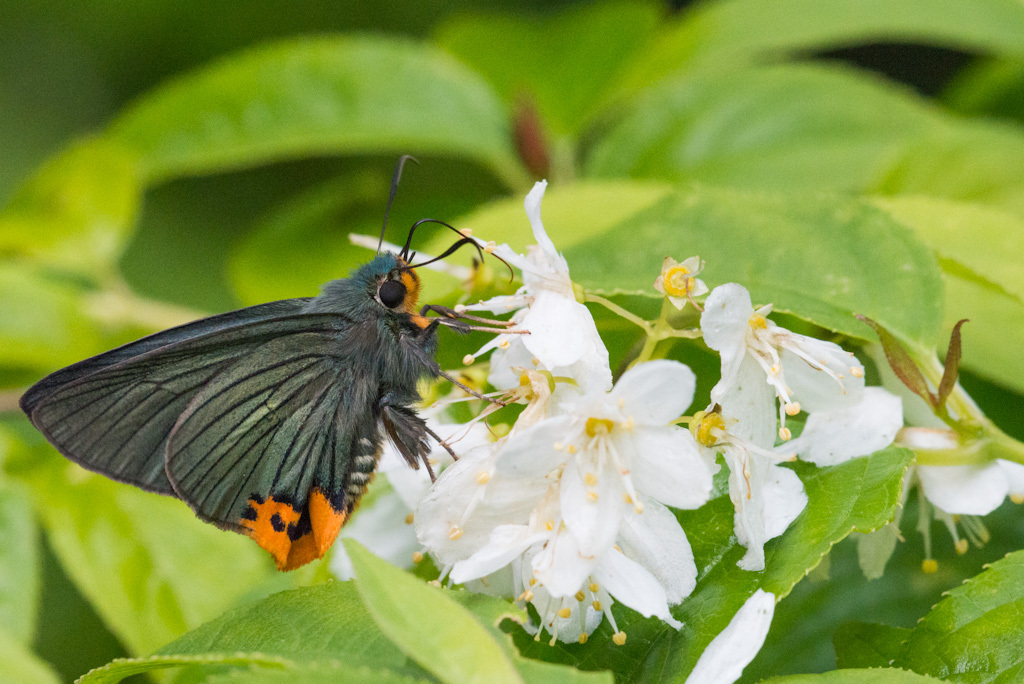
(569, 511)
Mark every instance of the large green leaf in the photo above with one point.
(325, 622)
(313, 674)
(146, 564)
(864, 644)
(19, 563)
(989, 88)
(789, 127)
(860, 495)
(318, 96)
(733, 33)
(77, 210)
(866, 676)
(588, 43)
(976, 633)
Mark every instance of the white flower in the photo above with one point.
(723, 660)
(679, 281)
(608, 446)
(804, 373)
(563, 337)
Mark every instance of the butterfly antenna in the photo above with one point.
(391, 195)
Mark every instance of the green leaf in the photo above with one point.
(865, 676)
(820, 258)
(325, 622)
(790, 127)
(317, 96)
(18, 664)
(433, 630)
(146, 564)
(589, 43)
(861, 495)
(863, 644)
(992, 88)
(44, 322)
(313, 674)
(732, 33)
(78, 210)
(19, 563)
(976, 633)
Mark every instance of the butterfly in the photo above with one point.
(269, 420)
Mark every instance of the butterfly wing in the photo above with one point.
(281, 444)
(113, 413)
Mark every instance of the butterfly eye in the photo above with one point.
(391, 293)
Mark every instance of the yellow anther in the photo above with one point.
(468, 360)
(677, 281)
(564, 613)
(619, 638)
(483, 477)
(417, 556)
(459, 308)
(583, 637)
(455, 532)
(558, 446)
(598, 426)
(856, 372)
(758, 321)
(638, 507)
(490, 246)
(432, 461)
(594, 586)
(705, 425)
(409, 518)
(792, 408)
(535, 361)
(929, 566)
(597, 605)
(785, 434)
(775, 369)
(590, 479)
(1017, 498)
(435, 583)
(504, 344)
(591, 496)
(580, 596)
(629, 423)
(533, 580)
(527, 595)
(571, 449)
(627, 498)
(550, 525)
(961, 546)
(622, 402)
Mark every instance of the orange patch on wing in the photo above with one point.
(272, 520)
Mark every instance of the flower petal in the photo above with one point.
(666, 465)
(505, 543)
(784, 498)
(655, 540)
(656, 392)
(968, 489)
(383, 530)
(559, 329)
(1014, 476)
(630, 583)
(592, 513)
(833, 437)
(815, 389)
(532, 206)
(723, 660)
(532, 453)
(727, 312)
(561, 567)
(750, 403)
(506, 363)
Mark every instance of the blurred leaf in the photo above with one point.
(872, 676)
(151, 570)
(733, 33)
(19, 564)
(861, 494)
(42, 322)
(976, 633)
(318, 96)
(992, 87)
(18, 664)
(802, 126)
(325, 622)
(863, 644)
(563, 63)
(77, 210)
(313, 674)
(436, 632)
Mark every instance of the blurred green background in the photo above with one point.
(220, 234)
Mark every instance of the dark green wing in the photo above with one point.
(281, 444)
(113, 413)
